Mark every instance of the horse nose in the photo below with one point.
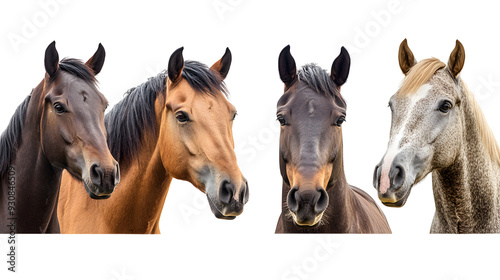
(322, 202)
(292, 199)
(232, 198)
(116, 175)
(244, 193)
(317, 199)
(96, 175)
(226, 192)
(376, 175)
(397, 175)
(104, 179)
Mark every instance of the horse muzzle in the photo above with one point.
(230, 200)
(394, 186)
(101, 181)
(307, 206)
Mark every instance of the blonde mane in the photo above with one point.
(419, 74)
(487, 136)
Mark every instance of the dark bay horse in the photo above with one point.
(438, 127)
(316, 196)
(59, 126)
(176, 125)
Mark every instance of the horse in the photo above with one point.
(438, 127)
(316, 197)
(59, 126)
(176, 125)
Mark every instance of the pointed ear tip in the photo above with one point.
(179, 50)
(100, 48)
(285, 50)
(52, 45)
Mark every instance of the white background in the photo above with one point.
(139, 37)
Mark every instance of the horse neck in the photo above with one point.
(37, 181)
(467, 192)
(340, 198)
(144, 183)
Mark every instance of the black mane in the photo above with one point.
(320, 81)
(134, 116)
(202, 79)
(77, 68)
(11, 137)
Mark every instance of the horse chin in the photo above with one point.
(307, 224)
(218, 214)
(400, 202)
(92, 191)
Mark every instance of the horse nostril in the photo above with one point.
(116, 175)
(244, 193)
(226, 192)
(376, 176)
(322, 202)
(291, 200)
(96, 175)
(397, 176)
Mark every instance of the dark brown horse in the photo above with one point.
(59, 126)
(176, 125)
(316, 197)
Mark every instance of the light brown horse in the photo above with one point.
(176, 125)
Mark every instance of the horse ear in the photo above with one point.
(175, 65)
(457, 59)
(51, 59)
(222, 66)
(406, 58)
(286, 66)
(97, 60)
(340, 67)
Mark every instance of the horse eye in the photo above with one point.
(445, 106)
(340, 121)
(234, 117)
(281, 120)
(181, 116)
(59, 108)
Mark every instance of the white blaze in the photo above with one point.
(395, 141)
